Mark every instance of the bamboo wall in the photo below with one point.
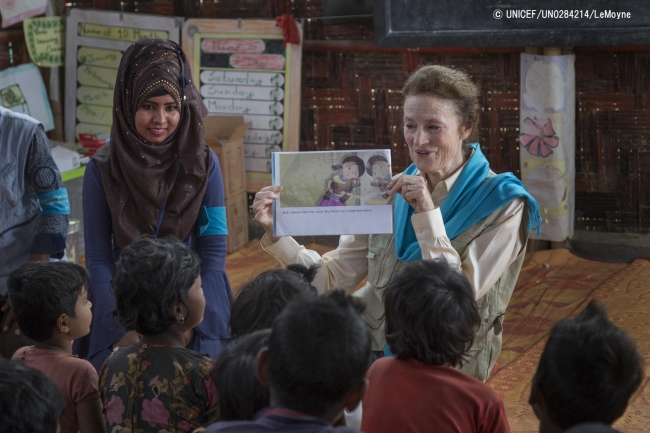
(351, 99)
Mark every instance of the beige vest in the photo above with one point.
(383, 263)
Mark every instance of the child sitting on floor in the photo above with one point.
(51, 305)
(431, 320)
(157, 384)
(240, 393)
(260, 300)
(315, 365)
(29, 401)
(587, 373)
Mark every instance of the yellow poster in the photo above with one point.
(45, 38)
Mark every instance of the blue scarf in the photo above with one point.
(471, 199)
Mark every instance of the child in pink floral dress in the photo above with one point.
(157, 385)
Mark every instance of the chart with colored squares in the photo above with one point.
(95, 42)
(243, 67)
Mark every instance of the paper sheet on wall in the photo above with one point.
(95, 42)
(15, 11)
(22, 90)
(45, 39)
(547, 140)
(248, 70)
(332, 193)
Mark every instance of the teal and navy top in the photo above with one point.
(208, 239)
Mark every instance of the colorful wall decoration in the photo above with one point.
(547, 140)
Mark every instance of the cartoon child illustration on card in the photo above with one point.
(379, 169)
(340, 185)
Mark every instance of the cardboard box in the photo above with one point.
(237, 215)
(65, 159)
(225, 136)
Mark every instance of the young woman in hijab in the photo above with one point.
(155, 177)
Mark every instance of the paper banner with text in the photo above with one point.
(15, 11)
(22, 90)
(547, 140)
(45, 39)
(245, 68)
(95, 42)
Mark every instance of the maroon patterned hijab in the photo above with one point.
(139, 177)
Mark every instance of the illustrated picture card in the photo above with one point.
(22, 90)
(332, 193)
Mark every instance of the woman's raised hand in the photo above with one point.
(263, 208)
(414, 190)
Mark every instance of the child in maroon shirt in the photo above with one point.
(431, 320)
(51, 304)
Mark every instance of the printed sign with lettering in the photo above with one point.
(45, 39)
(245, 68)
(15, 11)
(96, 41)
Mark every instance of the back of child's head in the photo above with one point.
(150, 276)
(40, 292)
(261, 299)
(319, 353)
(241, 395)
(588, 370)
(29, 401)
(431, 313)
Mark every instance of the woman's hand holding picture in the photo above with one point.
(413, 190)
(263, 208)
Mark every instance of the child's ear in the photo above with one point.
(357, 394)
(180, 312)
(62, 324)
(262, 366)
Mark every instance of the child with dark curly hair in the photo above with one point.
(261, 299)
(30, 401)
(431, 321)
(158, 384)
(51, 304)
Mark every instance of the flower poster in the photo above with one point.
(547, 140)
(332, 193)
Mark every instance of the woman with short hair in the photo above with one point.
(448, 204)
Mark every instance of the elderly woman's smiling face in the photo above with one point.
(434, 134)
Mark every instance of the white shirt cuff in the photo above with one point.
(428, 225)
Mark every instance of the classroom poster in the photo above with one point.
(332, 193)
(95, 42)
(547, 140)
(45, 40)
(243, 67)
(22, 90)
(15, 11)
